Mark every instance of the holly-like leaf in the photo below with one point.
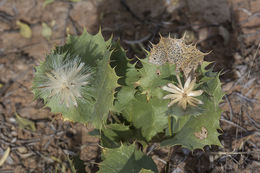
(89, 47)
(201, 130)
(113, 135)
(125, 159)
(77, 80)
(152, 77)
(76, 164)
(105, 84)
(150, 117)
(119, 62)
(147, 112)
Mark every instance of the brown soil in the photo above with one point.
(230, 28)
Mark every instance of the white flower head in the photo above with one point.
(184, 95)
(66, 81)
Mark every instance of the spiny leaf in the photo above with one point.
(125, 159)
(124, 97)
(201, 130)
(152, 77)
(119, 62)
(105, 84)
(114, 134)
(147, 112)
(88, 56)
(187, 135)
(76, 165)
(89, 47)
(150, 117)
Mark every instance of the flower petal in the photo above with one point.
(172, 90)
(175, 87)
(197, 101)
(195, 93)
(191, 86)
(190, 102)
(187, 83)
(179, 81)
(172, 96)
(183, 103)
(173, 102)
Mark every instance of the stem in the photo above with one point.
(170, 125)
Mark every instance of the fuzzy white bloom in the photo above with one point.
(184, 95)
(66, 81)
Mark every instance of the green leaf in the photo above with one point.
(154, 76)
(150, 117)
(124, 97)
(90, 48)
(177, 123)
(76, 165)
(125, 159)
(213, 88)
(98, 95)
(187, 138)
(119, 61)
(105, 84)
(147, 112)
(201, 130)
(114, 134)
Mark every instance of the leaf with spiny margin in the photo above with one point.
(148, 116)
(208, 121)
(105, 85)
(125, 96)
(95, 52)
(113, 135)
(125, 159)
(119, 61)
(76, 164)
(213, 88)
(89, 48)
(152, 77)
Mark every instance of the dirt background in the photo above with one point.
(230, 28)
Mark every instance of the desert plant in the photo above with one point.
(172, 99)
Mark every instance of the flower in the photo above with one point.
(66, 81)
(184, 95)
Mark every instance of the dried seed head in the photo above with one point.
(176, 51)
(66, 81)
